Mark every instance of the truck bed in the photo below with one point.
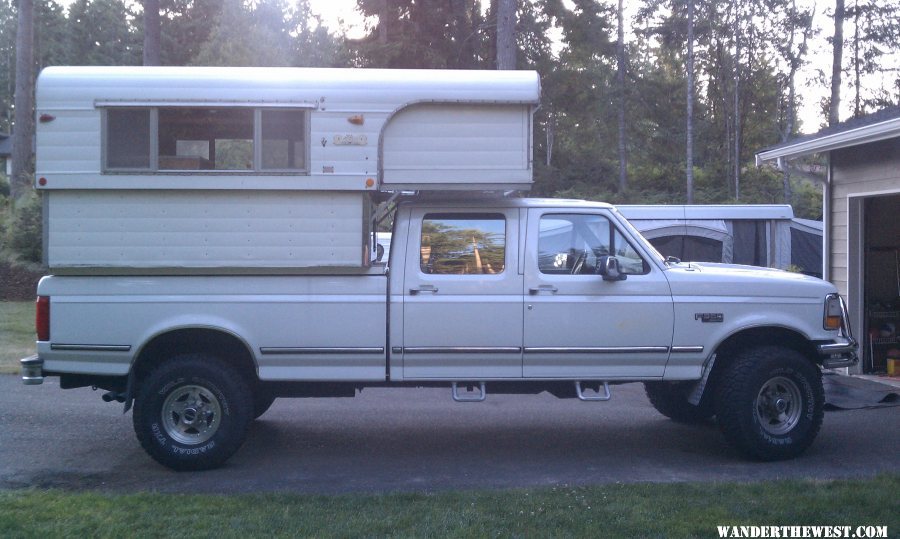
(288, 323)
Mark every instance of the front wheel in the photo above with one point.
(192, 412)
(770, 403)
(671, 400)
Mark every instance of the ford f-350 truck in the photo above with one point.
(199, 296)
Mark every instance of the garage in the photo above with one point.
(861, 188)
(878, 277)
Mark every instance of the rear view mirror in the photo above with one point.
(608, 267)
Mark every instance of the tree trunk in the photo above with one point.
(690, 103)
(857, 106)
(506, 34)
(836, 63)
(383, 17)
(23, 133)
(620, 85)
(151, 32)
(795, 59)
(551, 137)
(736, 123)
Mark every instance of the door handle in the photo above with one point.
(543, 288)
(423, 288)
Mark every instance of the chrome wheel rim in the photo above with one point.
(191, 414)
(779, 405)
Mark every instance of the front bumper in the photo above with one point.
(843, 353)
(838, 355)
(32, 370)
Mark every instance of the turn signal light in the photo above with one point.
(833, 312)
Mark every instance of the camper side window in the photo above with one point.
(128, 139)
(234, 139)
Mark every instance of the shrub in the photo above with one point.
(24, 230)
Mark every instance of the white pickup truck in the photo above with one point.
(212, 255)
(500, 296)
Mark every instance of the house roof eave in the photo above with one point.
(834, 141)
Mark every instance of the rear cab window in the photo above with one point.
(463, 244)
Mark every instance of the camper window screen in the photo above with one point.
(283, 140)
(128, 139)
(235, 139)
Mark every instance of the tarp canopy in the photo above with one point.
(757, 235)
(706, 240)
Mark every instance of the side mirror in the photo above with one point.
(608, 267)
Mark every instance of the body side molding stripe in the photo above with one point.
(462, 350)
(91, 347)
(320, 350)
(599, 350)
(687, 349)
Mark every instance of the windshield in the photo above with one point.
(646, 244)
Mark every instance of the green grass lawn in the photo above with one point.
(642, 510)
(16, 334)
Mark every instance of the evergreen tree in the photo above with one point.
(424, 34)
(185, 25)
(100, 33)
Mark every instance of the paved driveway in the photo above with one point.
(416, 440)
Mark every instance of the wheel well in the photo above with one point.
(768, 336)
(220, 344)
(752, 338)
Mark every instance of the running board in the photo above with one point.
(469, 395)
(594, 397)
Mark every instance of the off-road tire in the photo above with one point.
(208, 408)
(670, 399)
(769, 403)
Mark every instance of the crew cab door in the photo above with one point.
(578, 325)
(462, 305)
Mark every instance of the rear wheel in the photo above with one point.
(671, 400)
(770, 403)
(192, 412)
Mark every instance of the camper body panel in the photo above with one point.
(179, 230)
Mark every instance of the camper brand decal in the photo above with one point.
(350, 140)
(708, 318)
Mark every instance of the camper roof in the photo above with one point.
(375, 89)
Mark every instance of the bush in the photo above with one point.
(24, 229)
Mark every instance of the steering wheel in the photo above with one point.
(579, 262)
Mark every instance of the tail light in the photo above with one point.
(42, 318)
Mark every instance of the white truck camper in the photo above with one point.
(211, 234)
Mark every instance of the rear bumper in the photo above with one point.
(32, 370)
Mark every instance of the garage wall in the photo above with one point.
(857, 173)
(867, 170)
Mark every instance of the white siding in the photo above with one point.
(204, 229)
(865, 170)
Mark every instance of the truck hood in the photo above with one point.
(713, 279)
